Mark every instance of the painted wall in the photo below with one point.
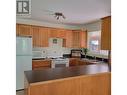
(94, 26)
(46, 24)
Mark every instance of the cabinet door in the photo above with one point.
(61, 33)
(35, 36)
(17, 29)
(53, 32)
(76, 39)
(74, 62)
(40, 36)
(68, 40)
(24, 30)
(106, 34)
(83, 39)
(44, 36)
(41, 64)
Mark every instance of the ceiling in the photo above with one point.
(76, 11)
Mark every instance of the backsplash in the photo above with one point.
(55, 49)
(50, 52)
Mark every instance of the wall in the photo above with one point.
(94, 26)
(46, 24)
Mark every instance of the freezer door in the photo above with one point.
(23, 46)
(23, 63)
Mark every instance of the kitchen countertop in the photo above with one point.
(59, 73)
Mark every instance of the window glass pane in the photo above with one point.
(94, 41)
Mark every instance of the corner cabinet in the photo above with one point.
(106, 33)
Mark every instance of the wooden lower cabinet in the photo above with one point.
(73, 61)
(78, 62)
(96, 84)
(41, 64)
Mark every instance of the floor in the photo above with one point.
(21, 92)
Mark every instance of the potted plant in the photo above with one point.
(85, 50)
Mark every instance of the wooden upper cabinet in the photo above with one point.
(106, 33)
(61, 33)
(44, 36)
(76, 38)
(35, 36)
(24, 30)
(40, 36)
(17, 29)
(68, 40)
(83, 39)
(53, 32)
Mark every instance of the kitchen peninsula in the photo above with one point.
(78, 80)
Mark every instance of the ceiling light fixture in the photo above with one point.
(58, 15)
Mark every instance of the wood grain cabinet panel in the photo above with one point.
(61, 33)
(35, 36)
(44, 37)
(96, 84)
(80, 62)
(83, 39)
(68, 40)
(41, 64)
(40, 36)
(53, 32)
(106, 33)
(17, 29)
(74, 61)
(24, 30)
(76, 38)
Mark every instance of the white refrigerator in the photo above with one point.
(23, 59)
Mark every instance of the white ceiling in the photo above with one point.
(76, 11)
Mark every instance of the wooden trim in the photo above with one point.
(106, 17)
